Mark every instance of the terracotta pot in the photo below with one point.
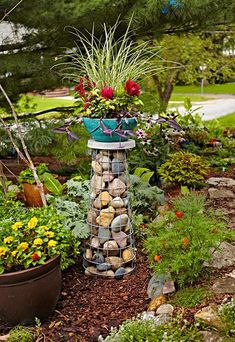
(31, 293)
(32, 195)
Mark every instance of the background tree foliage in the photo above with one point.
(31, 63)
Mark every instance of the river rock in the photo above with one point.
(90, 271)
(103, 267)
(156, 302)
(105, 163)
(125, 201)
(97, 183)
(120, 272)
(98, 258)
(120, 155)
(166, 309)
(120, 238)
(95, 243)
(115, 261)
(119, 222)
(109, 274)
(220, 193)
(128, 270)
(224, 286)
(121, 211)
(102, 200)
(96, 167)
(88, 254)
(128, 254)
(106, 217)
(93, 195)
(209, 316)
(104, 235)
(117, 188)
(108, 176)
(91, 217)
(111, 248)
(117, 166)
(117, 202)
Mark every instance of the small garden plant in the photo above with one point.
(184, 238)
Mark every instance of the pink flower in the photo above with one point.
(107, 93)
(132, 88)
(80, 88)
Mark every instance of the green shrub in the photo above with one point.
(184, 243)
(189, 297)
(139, 330)
(21, 334)
(227, 314)
(184, 168)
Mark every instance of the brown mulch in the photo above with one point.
(90, 306)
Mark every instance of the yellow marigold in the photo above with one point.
(33, 222)
(8, 239)
(14, 253)
(38, 242)
(2, 251)
(17, 225)
(49, 234)
(23, 245)
(52, 243)
(44, 227)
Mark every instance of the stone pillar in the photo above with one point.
(111, 251)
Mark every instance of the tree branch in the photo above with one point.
(12, 9)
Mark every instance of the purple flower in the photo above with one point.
(141, 134)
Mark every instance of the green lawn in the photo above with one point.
(193, 98)
(43, 102)
(227, 88)
(227, 120)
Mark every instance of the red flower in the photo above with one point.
(179, 214)
(80, 88)
(35, 257)
(86, 103)
(107, 93)
(132, 88)
(157, 257)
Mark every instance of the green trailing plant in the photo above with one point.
(189, 297)
(184, 238)
(140, 330)
(184, 168)
(227, 314)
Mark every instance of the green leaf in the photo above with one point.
(52, 184)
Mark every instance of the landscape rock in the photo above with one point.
(116, 262)
(117, 202)
(220, 193)
(102, 200)
(95, 242)
(221, 181)
(156, 285)
(128, 254)
(109, 273)
(168, 287)
(97, 183)
(211, 336)
(106, 216)
(108, 176)
(209, 316)
(120, 272)
(120, 238)
(104, 235)
(103, 267)
(89, 271)
(88, 254)
(111, 248)
(117, 166)
(105, 163)
(166, 309)
(223, 257)
(96, 167)
(224, 286)
(98, 258)
(156, 302)
(117, 188)
(119, 222)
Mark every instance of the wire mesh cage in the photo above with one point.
(110, 251)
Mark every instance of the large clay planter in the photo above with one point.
(32, 195)
(31, 293)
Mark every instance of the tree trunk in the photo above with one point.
(164, 91)
(2, 178)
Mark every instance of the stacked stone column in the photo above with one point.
(110, 252)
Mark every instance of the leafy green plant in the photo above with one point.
(22, 334)
(139, 330)
(184, 238)
(144, 173)
(26, 175)
(32, 237)
(184, 168)
(227, 314)
(189, 297)
(52, 184)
